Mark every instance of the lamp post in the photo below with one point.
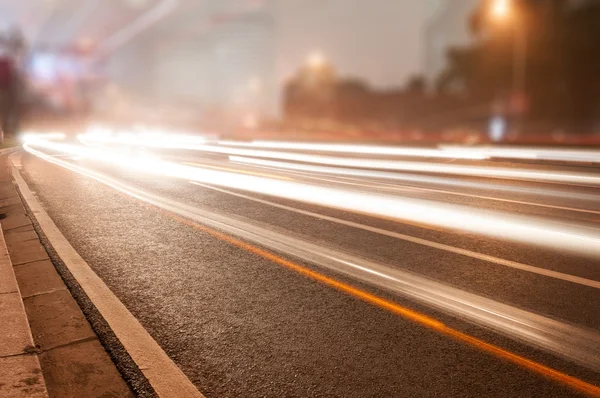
(503, 10)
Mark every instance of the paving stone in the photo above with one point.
(15, 221)
(7, 190)
(56, 319)
(16, 208)
(21, 377)
(26, 252)
(14, 328)
(24, 228)
(10, 201)
(82, 370)
(8, 283)
(37, 278)
(20, 235)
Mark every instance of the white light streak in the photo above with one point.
(357, 149)
(414, 178)
(442, 151)
(144, 138)
(563, 177)
(29, 136)
(528, 153)
(488, 223)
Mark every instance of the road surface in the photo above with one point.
(263, 276)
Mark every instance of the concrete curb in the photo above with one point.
(165, 377)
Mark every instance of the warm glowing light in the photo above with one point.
(142, 138)
(31, 136)
(316, 60)
(501, 8)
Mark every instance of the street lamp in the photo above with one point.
(316, 61)
(503, 10)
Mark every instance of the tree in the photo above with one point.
(416, 85)
(563, 59)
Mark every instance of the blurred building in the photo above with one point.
(446, 26)
(215, 58)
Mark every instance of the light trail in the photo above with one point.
(144, 138)
(527, 153)
(394, 187)
(560, 177)
(307, 169)
(454, 217)
(276, 177)
(28, 136)
(442, 151)
(357, 149)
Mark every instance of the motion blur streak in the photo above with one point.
(394, 187)
(571, 342)
(533, 153)
(358, 149)
(413, 178)
(31, 136)
(443, 151)
(146, 138)
(397, 165)
(488, 223)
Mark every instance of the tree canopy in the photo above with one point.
(562, 59)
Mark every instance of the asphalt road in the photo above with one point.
(240, 324)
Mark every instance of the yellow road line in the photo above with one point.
(237, 171)
(404, 312)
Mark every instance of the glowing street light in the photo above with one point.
(501, 9)
(316, 61)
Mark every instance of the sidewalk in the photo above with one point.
(47, 347)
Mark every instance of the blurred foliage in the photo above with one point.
(563, 60)
(416, 84)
